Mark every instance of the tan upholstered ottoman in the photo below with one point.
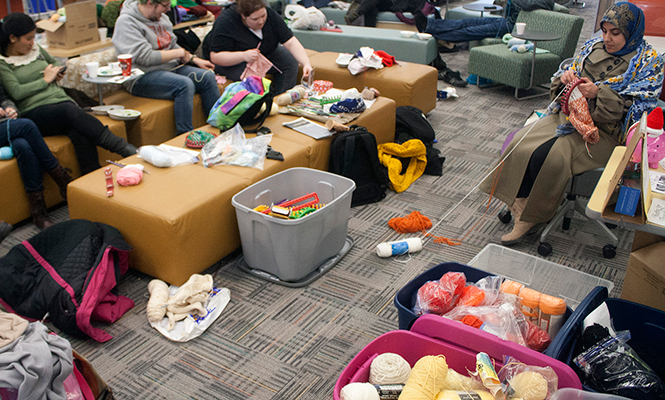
(180, 220)
(409, 84)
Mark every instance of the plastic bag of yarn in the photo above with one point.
(612, 366)
(165, 156)
(505, 321)
(438, 297)
(485, 292)
(527, 382)
(233, 148)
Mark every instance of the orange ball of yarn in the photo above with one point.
(414, 222)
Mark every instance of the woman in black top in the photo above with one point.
(248, 28)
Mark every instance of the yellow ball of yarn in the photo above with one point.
(529, 385)
(427, 378)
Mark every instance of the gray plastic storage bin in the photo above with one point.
(291, 249)
(538, 274)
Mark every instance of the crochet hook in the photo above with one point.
(122, 165)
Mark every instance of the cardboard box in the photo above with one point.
(645, 277)
(80, 28)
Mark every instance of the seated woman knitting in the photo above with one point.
(33, 157)
(30, 77)
(249, 32)
(618, 77)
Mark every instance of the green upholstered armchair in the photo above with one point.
(522, 70)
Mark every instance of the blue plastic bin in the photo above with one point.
(405, 298)
(646, 326)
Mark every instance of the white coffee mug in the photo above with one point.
(93, 68)
(519, 28)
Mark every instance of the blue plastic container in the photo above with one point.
(646, 326)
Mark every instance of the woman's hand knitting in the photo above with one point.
(251, 55)
(588, 88)
(568, 77)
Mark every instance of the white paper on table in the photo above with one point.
(656, 214)
(308, 128)
(600, 316)
(655, 177)
(121, 78)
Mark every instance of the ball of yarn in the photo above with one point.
(389, 368)
(521, 48)
(129, 176)
(529, 385)
(427, 378)
(414, 222)
(359, 391)
(6, 153)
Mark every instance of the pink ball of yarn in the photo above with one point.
(129, 176)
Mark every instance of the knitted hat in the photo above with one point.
(655, 122)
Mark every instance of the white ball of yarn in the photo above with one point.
(521, 48)
(359, 391)
(530, 385)
(389, 368)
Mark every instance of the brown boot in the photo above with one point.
(38, 210)
(62, 178)
(518, 207)
(520, 230)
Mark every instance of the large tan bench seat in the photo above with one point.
(180, 220)
(409, 84)
(13, 199)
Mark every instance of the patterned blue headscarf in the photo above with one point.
(629, 18)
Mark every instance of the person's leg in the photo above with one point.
(204, 84)
(28, 164)
(166, 85)
(467, 29)
(533, 167)
(286, 63)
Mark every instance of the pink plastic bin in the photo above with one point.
(434, 335)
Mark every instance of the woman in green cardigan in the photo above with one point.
(30, 76)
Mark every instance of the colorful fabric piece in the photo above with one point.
(386, 58)
(348, 106)
(580, 117)
(389, 156)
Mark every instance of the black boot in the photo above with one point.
(38, 210)
(421, 20)
(352, 13)
(62, 178)
(439, 64)
(116, 144)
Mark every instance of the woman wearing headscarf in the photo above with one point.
(30, 76)
(33, 157)
(622, 77)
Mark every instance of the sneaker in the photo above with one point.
(452, 77)
(5, 228)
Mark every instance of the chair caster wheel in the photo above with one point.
(505, 216)
(544, 249)
(611, 226)
(609, 251)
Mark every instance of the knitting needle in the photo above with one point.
(122, 165)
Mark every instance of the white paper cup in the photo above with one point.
(102, 33)
(519, 28)
(93, 68)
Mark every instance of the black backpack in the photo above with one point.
(354, 154)
(411, 123)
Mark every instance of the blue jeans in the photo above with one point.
(180, 85)
(281, 82)
(32, 154)
(466, 29)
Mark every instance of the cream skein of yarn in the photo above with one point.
(389, 368)
(359, 391)
(427, 378)
(529, 385)
(159, 295)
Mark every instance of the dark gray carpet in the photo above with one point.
(274, 342)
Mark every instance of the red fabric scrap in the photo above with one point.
(387, 59)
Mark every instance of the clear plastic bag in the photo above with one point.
(522, 381)
(612, 366)
(504, 321)
(165, 156)
(232, 148)
(438, 297)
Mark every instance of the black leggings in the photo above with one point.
(533, 168)
(66, 118)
